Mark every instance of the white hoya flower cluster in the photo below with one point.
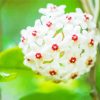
(61, 45)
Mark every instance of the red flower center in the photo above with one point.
(28, 59)
(91, 42)
(55, 47)
(86, 17)
(72, 60)
(23, 39)
(74, 37)
(90, 62)
(53, 8)
(74, 75)
(69, 17)
(34, 33)
(52, 72)
(38, 55)
(49, 24)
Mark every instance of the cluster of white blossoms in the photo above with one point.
(60, 46)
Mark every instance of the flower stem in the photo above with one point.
(85, 6)
(91, 6)
(92, 81)
(96, 13)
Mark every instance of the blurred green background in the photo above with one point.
(18, 82)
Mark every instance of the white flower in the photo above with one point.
(60, 46)
(52, 10)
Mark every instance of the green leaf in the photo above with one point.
(7, 76)
(28, 86)
(22, 84)
(98, 71)
(12, 58)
